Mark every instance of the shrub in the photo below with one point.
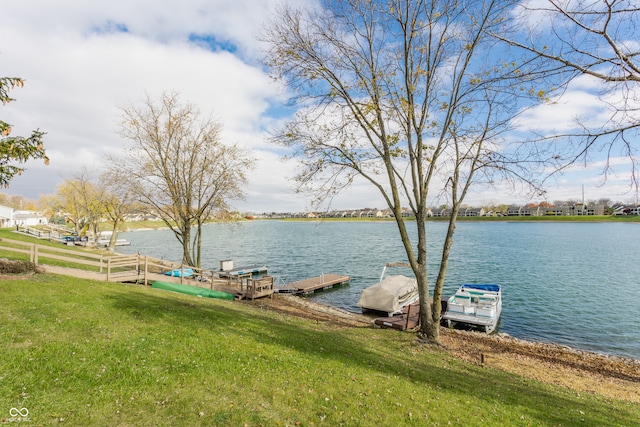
(8, 266)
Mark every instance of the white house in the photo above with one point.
(10, 217)
(6, 216)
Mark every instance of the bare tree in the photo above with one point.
(178, 167)
(407, 95)
(568, 39)
(117, 202)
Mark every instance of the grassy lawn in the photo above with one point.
(90, 353)
(9, 233)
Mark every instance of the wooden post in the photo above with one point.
(406, 322)
(146, 269)
(138, 267)
(108, 269)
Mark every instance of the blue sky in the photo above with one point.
(82, 60)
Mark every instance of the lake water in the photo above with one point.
(567, 283)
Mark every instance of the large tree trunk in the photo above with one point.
(444, 264)
(429, 330)
(114, 235)
(186, 245)
(197, 244)
(429, 327)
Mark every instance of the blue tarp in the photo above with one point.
(178, 272)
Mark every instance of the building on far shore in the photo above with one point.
(543, 209)
(10, 217)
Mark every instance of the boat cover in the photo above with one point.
(390, 294)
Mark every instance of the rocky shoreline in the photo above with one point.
(606, 375)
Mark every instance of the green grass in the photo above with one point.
(10, 233)
(90, 353)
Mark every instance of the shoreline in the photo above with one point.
(608, 375)
(627, 219)
(361, 319)
(573, 335)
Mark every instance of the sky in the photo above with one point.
(82, 61)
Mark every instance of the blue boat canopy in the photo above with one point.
(482, 287)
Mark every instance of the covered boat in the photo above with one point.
(192, 290)
(477, 305)
(391, 294)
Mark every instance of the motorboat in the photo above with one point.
(119, 242)
(476, 305)
(391, 294)
(227, 270)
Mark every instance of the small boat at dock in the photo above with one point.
(227, 269)
(476, 305)
(239, 271)
(103, 243)
(193, 290)
(391, 294)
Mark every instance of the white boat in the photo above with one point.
(104, 238)
(477, 305)
(103, 243)
(391, 294)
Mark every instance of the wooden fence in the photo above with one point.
(133, 268)
(50, 232)
(111, 268)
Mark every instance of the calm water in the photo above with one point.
(567, 283)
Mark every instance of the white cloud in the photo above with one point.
(83, 60)
(579, 102)
(77, 77)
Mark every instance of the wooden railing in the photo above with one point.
(132, 268)
(112, 268)
(49, 232)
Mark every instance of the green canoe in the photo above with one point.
(193, 290)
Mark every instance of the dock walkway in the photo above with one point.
(307, 286)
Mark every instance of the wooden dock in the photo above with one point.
(307, 286)
(407, 320)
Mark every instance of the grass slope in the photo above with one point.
(91, 353)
